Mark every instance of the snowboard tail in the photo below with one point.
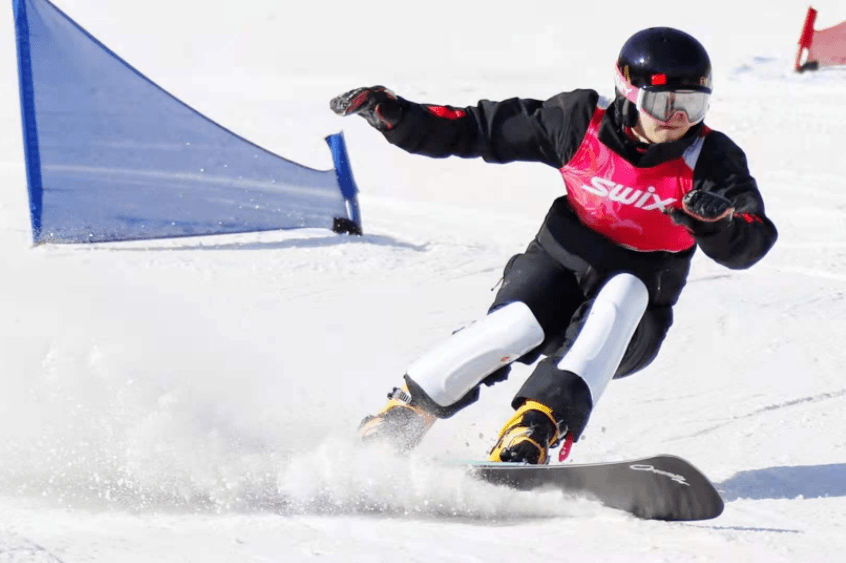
(663, 487)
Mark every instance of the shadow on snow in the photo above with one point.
(789, 482)
(311, 242)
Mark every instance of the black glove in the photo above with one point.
(703, 213)
(378, 105)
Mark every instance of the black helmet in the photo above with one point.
(661, 59)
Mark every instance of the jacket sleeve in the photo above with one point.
(498, 132)
(722, 169)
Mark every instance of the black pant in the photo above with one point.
(560, 298)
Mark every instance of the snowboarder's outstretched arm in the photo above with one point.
(725, 211)
(515, 129)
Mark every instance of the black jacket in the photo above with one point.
(551, 132)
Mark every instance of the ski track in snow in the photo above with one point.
(822, 397)
(17, 548)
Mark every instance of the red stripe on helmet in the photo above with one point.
(659, 79)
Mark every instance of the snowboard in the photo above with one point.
(663, 487)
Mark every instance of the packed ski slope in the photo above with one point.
(196, 400)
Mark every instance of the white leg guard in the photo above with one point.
(447, 372)
(598, 350)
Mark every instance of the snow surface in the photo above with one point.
(196, 400)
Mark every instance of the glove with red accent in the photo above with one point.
(702, 213)
(378, 105)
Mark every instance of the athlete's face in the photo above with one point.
(651, 130)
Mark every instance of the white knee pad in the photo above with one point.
(598, 350)
(447, 372)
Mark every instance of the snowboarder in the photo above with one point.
(647, 182)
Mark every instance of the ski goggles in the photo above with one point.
(663, 104)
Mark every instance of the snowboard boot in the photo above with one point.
(527, 436)
(400, 424)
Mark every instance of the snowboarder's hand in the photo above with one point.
(702, 212)
(378, 105)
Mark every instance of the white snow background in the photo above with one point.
(197, 399)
